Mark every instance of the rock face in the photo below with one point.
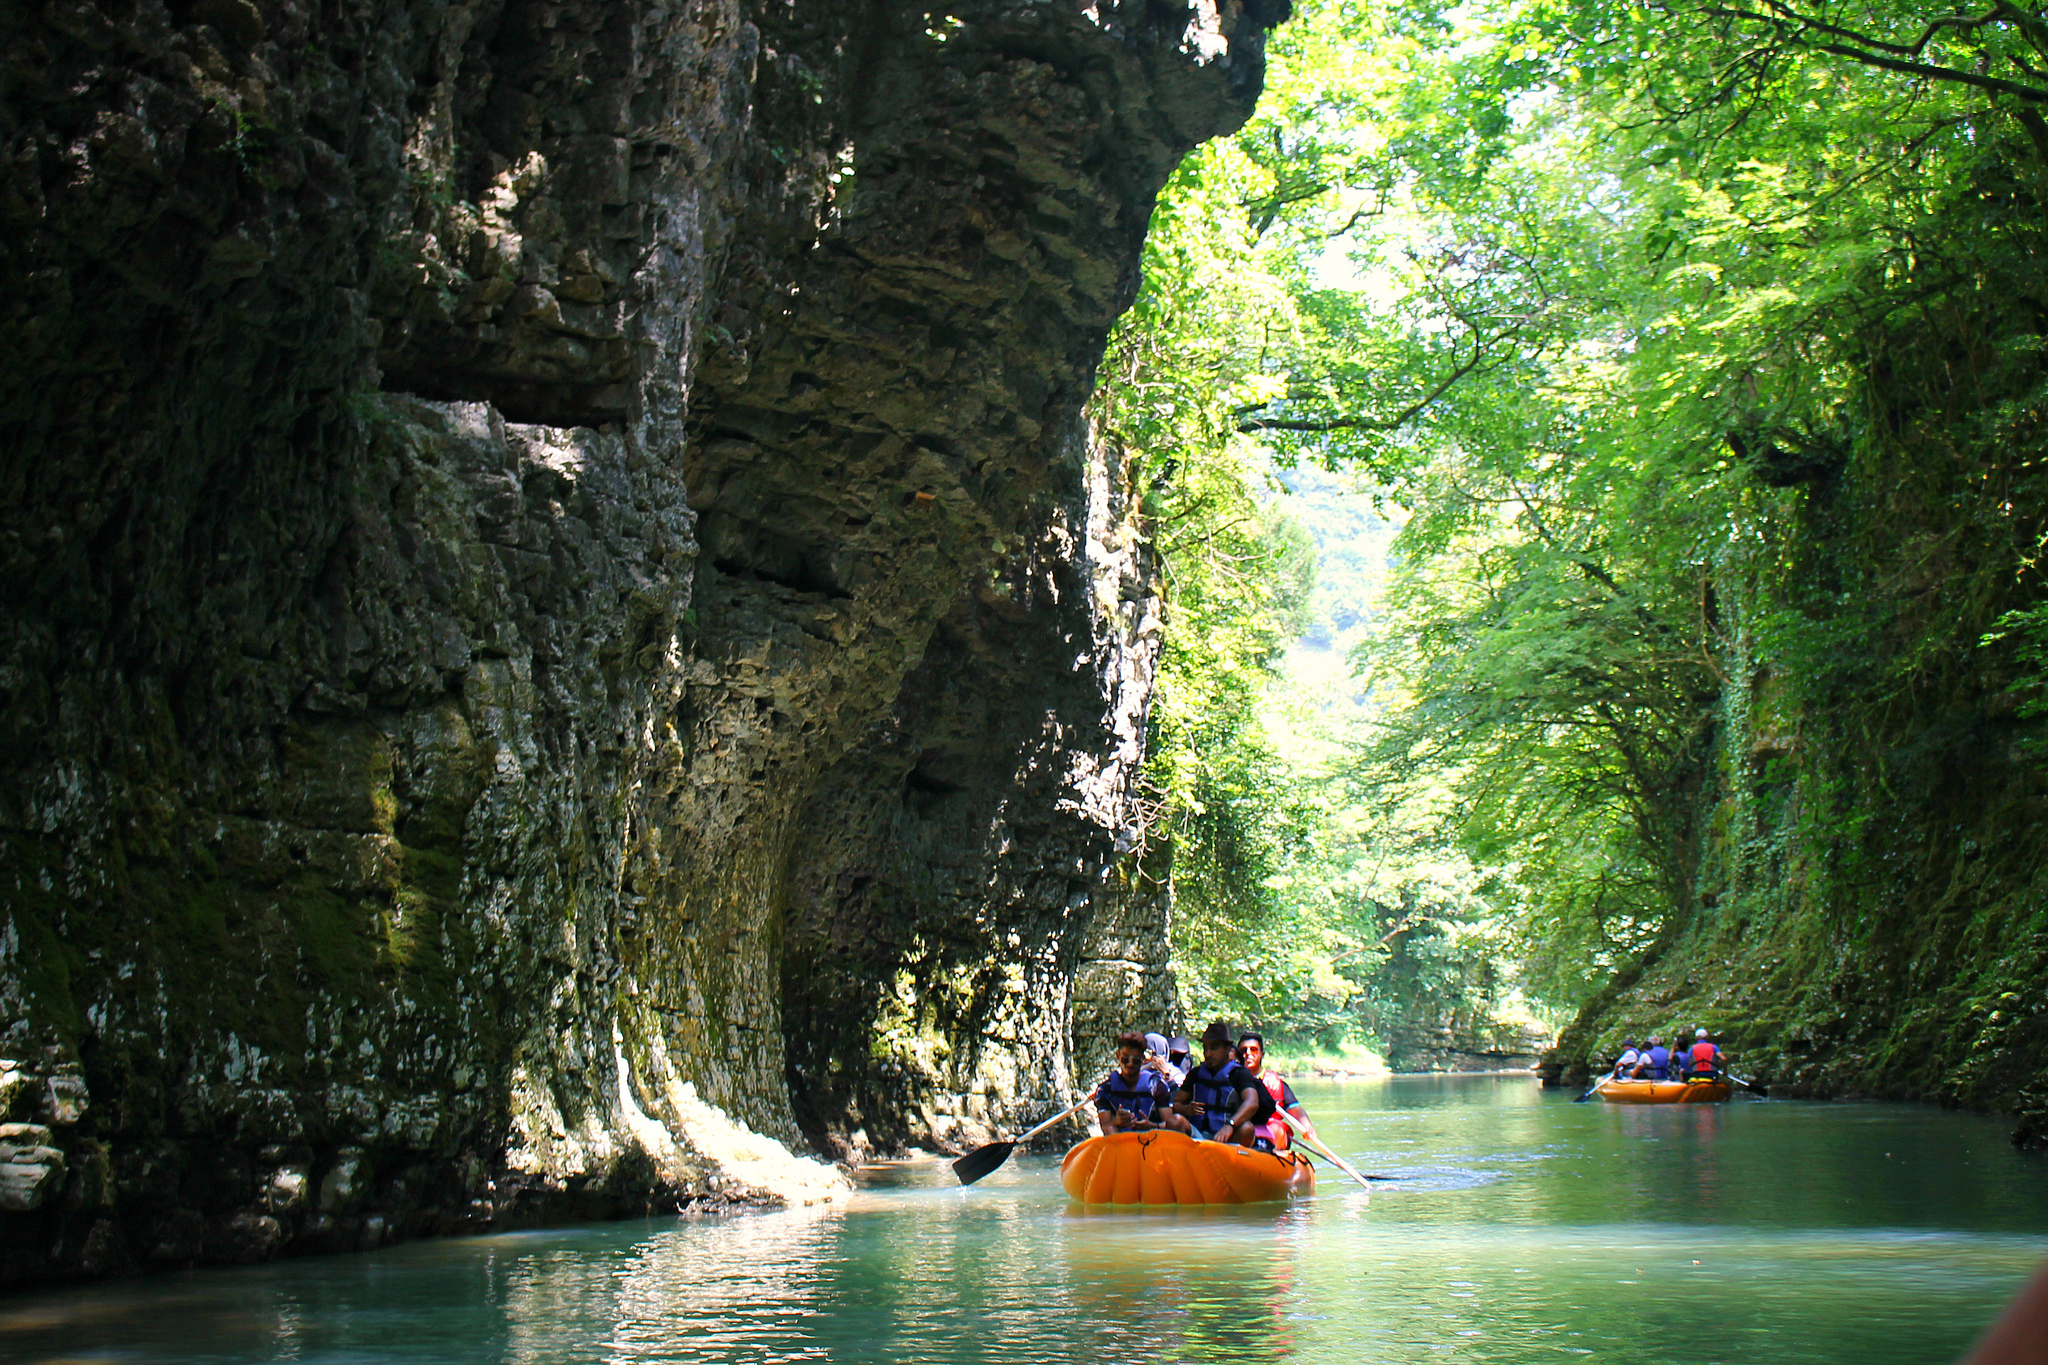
(560, 627)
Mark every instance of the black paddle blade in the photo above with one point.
(982, 1160)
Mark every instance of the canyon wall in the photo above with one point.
(561, 631)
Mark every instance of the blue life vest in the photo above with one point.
(1659, 1058)
(1218, 1093)
(1139, 1100)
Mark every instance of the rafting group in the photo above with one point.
(1176, 1131)
(1229, 1128)
(1656, 1074)
(1231, 1095)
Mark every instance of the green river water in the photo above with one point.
(1524, 1228)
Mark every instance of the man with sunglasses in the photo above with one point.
(1251, 1055)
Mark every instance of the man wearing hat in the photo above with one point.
(1220, 1098)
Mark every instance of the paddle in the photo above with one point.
(1316, 1146)
(1594, 1089)
(990, 1155)
(1759, 1091)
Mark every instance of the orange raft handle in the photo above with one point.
(1170, 1168)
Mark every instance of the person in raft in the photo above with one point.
(1220, 1098)
(1655, 1062)
(1132, 1099)
(1251, 1053)
(1701, 1061)
(1157, 1061)
(1625, 1064)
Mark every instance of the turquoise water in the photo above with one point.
(1524, 1228)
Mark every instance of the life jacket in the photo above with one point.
(1217, 1092)
(1703, 1056)
(1274, 1130)
(1626, 1062)
(1139, 1099)
(1659, 1058)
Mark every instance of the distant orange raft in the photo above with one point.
(1666, 1092)
(1169, 1168)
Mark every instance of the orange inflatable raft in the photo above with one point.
(1170, 1168)
(1666, 1092)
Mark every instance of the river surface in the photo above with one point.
(1523, 1227)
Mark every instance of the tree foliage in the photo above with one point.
(1612, 299)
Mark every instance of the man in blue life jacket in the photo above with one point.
(1702, 1061)
(1625, 1064)
(1220, 1098)
(1655, 1062)
(1131, 1099)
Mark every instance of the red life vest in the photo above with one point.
(1279, 1133)
(1703, 1057)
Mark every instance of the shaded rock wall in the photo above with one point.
(558, 622)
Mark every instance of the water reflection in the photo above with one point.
(746, 1294)
(1214, 1284)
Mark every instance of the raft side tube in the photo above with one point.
(1162, 1168)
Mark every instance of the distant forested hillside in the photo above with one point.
(1353, 540)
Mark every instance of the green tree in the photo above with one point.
(1601, 293)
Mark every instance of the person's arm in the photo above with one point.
(1251, 1088)
(1294, 1110)
(2020, 1336)
(1105, 1112)
(1162, 1102)
(1184, 1103)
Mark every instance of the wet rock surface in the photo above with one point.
(560, 629)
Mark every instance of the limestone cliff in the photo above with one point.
(559, 624)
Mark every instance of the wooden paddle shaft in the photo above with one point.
(1086, 1100)
(1318, 1147)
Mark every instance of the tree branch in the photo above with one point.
(1360, 423)
(1903, 58)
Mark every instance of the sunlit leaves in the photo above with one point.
(1591, 288)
